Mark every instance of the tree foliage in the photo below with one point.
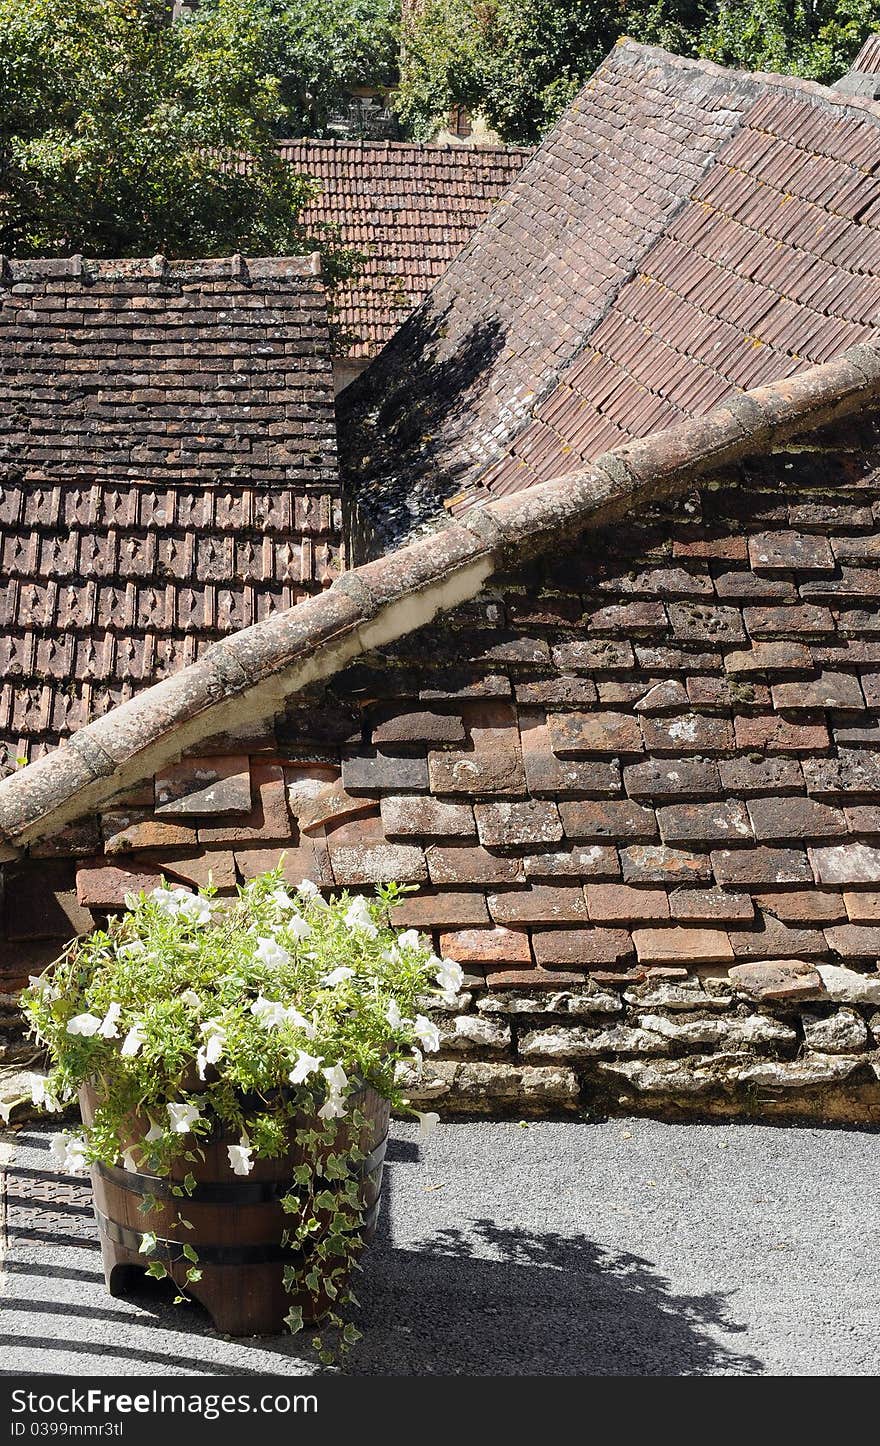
(519, 62)
(117, 127)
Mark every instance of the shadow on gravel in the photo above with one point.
(473, 1301)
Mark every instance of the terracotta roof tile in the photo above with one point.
(150, 507)
(700, 232)
(410, 208)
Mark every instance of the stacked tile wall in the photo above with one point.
(637, 786)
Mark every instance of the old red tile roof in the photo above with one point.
(167, 472)
(409, 208)
(245, 678)
(685, 232)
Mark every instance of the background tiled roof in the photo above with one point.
(167, 473)
(686, 232)
(409, 208)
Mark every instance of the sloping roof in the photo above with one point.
(686, 232)
(863, 76)
(249, 676)
(409, 208)
(167, 472)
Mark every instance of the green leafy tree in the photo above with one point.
(123, 134)
(519, 62)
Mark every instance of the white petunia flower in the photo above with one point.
(182, 1117)
(43, 1097)
(333, 1108)
(427, 1033)
(44, 987)
(155, 1132)
(393, 1014)
(133, 1041)
(240, 1157)
(337, 976)
(270, 1012)
(281, 898)
(358, 917)
(190, 997)
(449, 975)
(132, 950)
(428, 1122)
(169, 901)
(307, 889)
(270, 953)
(409, 939)
(195, 908)
(129, 1162)
(6, 1108)
(305, 1065)
(84, 1024)
(336, 1078)
(68, 1153)
(108, 1029)
(299, 927)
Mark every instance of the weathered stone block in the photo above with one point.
(594, 655)
(781, 979)
(678, 945)
(685, 823)
(695, 622)
(847, 986)
(572, 1042)
(218, 785)
(419, 727)
(849, 863)
(829, 690)
(539, 904)
(576, 733)
(104, 886)
(657, 864)
(803, 906)
(862, 908)
(487, 946)
(405, 815)
(378, 772)
(790, 552)
(672, 778)
(843, 1032)
(459, 864)
(582, 861)
(495, 763)
(601, 819)
(760, 867)
(510, 824)
(587, 948)
(781, 820)
(623, 904)
(754, 773)
(688, 733)
(139, 829)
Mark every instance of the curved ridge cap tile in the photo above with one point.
(396, 594)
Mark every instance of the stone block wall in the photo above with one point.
(637, 788)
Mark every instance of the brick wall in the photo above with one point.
(637, 786)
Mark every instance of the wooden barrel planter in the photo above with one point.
(238, 1223)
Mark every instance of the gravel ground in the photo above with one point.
(630, 1247)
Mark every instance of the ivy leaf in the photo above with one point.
(294, 1320)
(190, 1254)
(148, 1243)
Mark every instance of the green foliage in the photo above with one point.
(194, 1016)
(117, 129)
(519, 62)
(318, 49)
